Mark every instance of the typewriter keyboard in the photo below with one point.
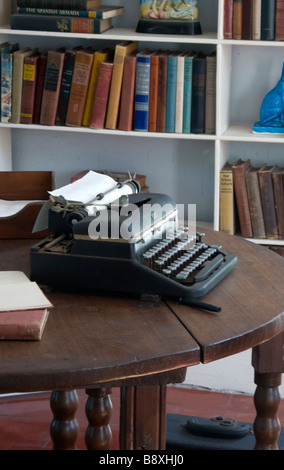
(184, 258)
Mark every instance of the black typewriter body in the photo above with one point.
(159, 258)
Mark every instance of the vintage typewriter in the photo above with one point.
(132, 246)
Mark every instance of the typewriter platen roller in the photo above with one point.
(158, 257)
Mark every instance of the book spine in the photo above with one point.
(254, 201)
(237, 19)
(142, 89)
(227, 209)
(116, 83)
(267, 20)
(179, 94)
(210, 100)
(30, 70)
(99, 57)
(256, 20)
(228, 19)
(162, 94)
(187, 95)
(79, 88)
(7, 83)
(242, 199)
(60, 4)
(198, 95)
(127, 94)
(171, 94)
(279, 21)
(99, 14)
(39, 88)
(101, 96)
(65, 88)
(247, 20)
(278, 189)
(52, 81)
(268, 204)
(64, 24)
(153, 94)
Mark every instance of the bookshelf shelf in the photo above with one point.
(186, 166)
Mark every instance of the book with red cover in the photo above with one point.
(153, 95)
(101, 95)
(51, 89)
(39, 87)
(278, 189)
(239, 170)
(127, 93)
(30, 73)
(23, 307)
(162, 92)
(228, 19)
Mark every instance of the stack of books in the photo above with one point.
(83, 16)
(252, 197)
(254, 20)
(120, 88)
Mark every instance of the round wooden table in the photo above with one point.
(97, 342)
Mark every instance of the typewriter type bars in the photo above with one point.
(183, 257)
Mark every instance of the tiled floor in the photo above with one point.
(25, 420)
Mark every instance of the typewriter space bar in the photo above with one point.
(209, 268)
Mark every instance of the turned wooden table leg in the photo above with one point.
(64, 426)
(267, 360)
(98, 411)
(143, 417)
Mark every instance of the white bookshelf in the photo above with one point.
(185, 166)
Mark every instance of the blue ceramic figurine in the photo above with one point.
(272, 111)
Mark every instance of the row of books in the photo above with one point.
(75, 17)
(254, 20)
(110, 88)
(252, 197)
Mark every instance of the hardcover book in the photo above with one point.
(247, 19)
(101, 12)
(187, 93)
(227, 200)
(239, 170)
(101, 95)
(228, 19)
(267, 200)
(171, 93)
(210, 98)
(99, 57)
(198, 94)
(79, 87)
(278, 190)
(65, 87)
(30, 73)
(162, 91)
(180, 93)
(61, 4)
(256, 20)
(23, 307)
(18, 66)
(7, 81)
(121, 50)
(39, 87)
(127, 94)
(153, 94)
(51, 89)
(142, 91)
(267, 20)
(279, 20)
(237, 19)
(62, 24)
(254, 201)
